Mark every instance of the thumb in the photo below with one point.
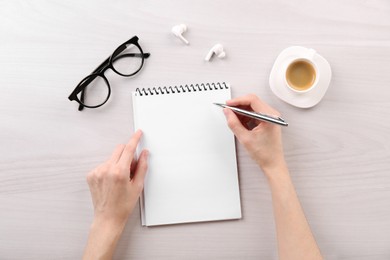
(234, 123)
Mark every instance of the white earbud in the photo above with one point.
(178, 30)
(218, 50)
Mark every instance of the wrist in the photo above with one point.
(107, 227)
(276, 171)
(103, 237)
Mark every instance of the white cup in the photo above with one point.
(308, 58)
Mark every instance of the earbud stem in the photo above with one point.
(183, 39)
(209, 55)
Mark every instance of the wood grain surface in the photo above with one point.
(338, 151)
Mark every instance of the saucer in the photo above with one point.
(282, 91)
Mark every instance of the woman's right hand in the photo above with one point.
(262, 140)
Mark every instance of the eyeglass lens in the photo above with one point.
(96, 92)
(129, 61)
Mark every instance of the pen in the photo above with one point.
(254, 115)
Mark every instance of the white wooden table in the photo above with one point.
(338, 152)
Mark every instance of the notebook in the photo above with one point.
(192, 174)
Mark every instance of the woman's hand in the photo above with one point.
(262, 140)
(115, 188)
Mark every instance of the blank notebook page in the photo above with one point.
(192, 173)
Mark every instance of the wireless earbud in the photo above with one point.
(218, 50)
(178, 31)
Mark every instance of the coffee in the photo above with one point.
(300, 75)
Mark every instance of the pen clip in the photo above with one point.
(273, 117)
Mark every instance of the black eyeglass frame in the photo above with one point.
(105, 65)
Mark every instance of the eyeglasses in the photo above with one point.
(94, 90)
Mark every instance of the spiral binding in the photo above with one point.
(181, 88)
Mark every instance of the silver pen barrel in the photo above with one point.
(254, 115)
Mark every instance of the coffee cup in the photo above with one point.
(301, 74)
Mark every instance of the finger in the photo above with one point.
(117, 153)
(248, 100)
(243, 119)
(248, 122)
(255, 103)
(234, 123)
(133, 166)
(129, 150)
(140, 171)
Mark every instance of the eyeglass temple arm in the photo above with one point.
(137, 55)
(81, 107)
(146, 55)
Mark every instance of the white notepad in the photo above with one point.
(192, 173)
